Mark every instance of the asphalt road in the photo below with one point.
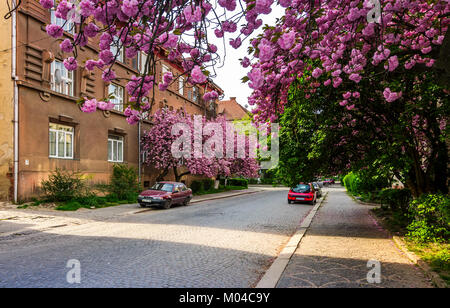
(221, 243)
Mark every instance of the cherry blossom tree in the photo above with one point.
(160, 144)
(371, 55)
(351, 39)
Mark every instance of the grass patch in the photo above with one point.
(436, 255)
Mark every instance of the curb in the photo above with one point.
(434, 277)
(415, 259)
(273, 274)
(227, 196)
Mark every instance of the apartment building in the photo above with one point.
(42, 126)
(232, 110)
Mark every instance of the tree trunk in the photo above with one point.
(162, 175)
(178, 177)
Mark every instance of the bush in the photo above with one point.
(87, 201)
(112, 198)
(365, 182)
(69, 206)
(238, 182)
(396, 199)
(208, 184)
(253, 181)
(351, 183)
(124, 181)
(63, 185)
(196, 186)
(431, 214)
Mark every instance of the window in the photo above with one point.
(60, 141)
(67, 26)
(139, 62)
(164, 69)
(115, 149)
(61, 78)
(163, 187)
(195, 94)
(181, 85)
(302, 188)
(117, 99)
(135, 62)
(143, 61)
(115, 48)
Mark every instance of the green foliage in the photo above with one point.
(63, 185)
(351, 183)
(253, 181)
(208, 184)
(124, 181)
(69, 206)
(365, 182)
(196, 186)
(238, 182)
(112, 197)
(396, 199)
(431, 214)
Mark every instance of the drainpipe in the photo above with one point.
(16, 102)
(140, 153)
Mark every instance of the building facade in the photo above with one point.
(232, 110)
(52, 131)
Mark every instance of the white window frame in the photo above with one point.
(164, 69)
(118, 99)
(195, 94)
(59, 130)
(67, 79)
(116, 144)
(114, 48)
(67, 26)
(142, 61)
(181, 85)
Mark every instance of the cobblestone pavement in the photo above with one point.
(336, 249)
(221, 243)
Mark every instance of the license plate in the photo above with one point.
(300, 198)
(147, 201)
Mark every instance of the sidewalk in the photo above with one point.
(336, 249)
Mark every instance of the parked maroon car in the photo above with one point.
(302, 193)
(165, 194)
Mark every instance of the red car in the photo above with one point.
(165, 194)
(302, 193)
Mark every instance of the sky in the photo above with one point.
(230, 74)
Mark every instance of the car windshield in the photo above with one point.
(163, 186)
(301, 188)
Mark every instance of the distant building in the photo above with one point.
(232, 110)
(41, 125)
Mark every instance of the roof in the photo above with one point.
(232, 110)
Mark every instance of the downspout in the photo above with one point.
(140, 153)
(16, 103)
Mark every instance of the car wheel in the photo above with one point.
(186, 202)
(167, 205)
(289, 201)
(311, 202)
(142, 205)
